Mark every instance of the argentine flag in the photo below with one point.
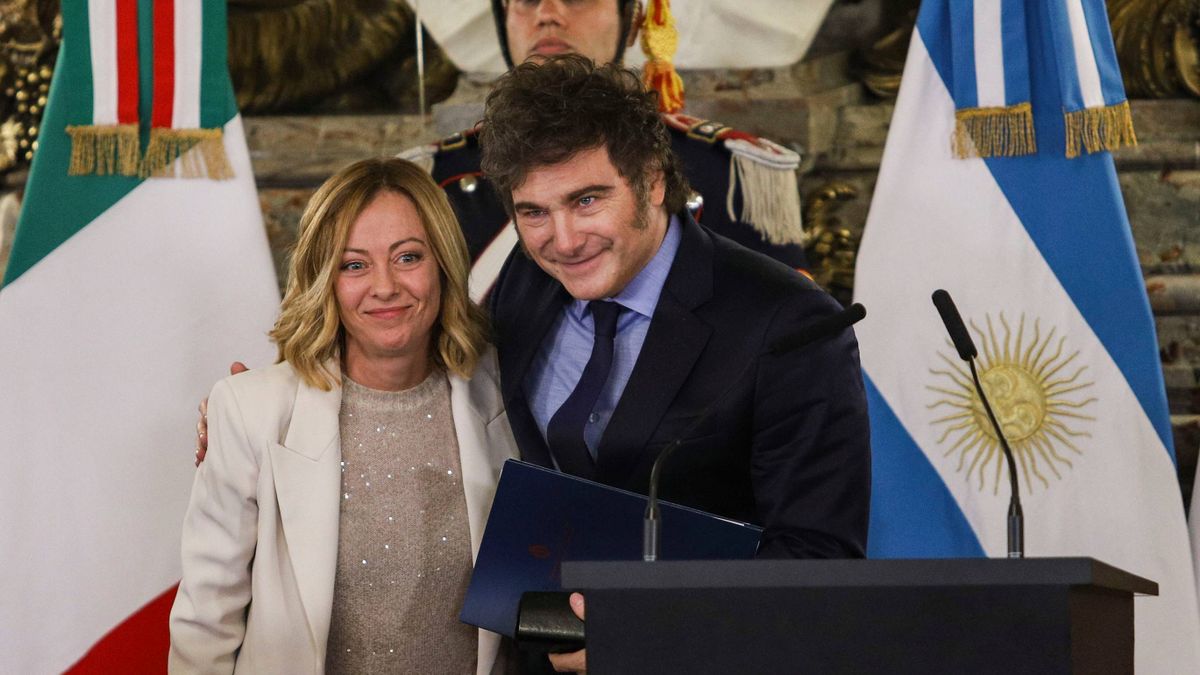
(996, 185)
(139, 270)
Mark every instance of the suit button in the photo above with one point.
(468, 184)
(593, 418)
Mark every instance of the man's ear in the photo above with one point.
(658, 188)
(635, 26)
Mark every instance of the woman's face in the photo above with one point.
(388, 286)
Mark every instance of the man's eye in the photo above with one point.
(587, 201)
(533, 213)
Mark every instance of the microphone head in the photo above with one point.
(954, 325)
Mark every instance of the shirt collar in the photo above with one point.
(641, 293)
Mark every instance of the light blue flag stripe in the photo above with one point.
(1073, 211)
(965, 87)
(1016, 52)
(1061, 58)
(1100, 33)
(913, 514)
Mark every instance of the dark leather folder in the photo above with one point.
(541, 518)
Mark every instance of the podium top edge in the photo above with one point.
(853, 573)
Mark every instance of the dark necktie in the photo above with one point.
(565, 431)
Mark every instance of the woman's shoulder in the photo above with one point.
(276, 383)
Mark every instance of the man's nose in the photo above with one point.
(567, 238)
(550, 12)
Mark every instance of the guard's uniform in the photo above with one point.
(745, 190)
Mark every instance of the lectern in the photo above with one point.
(1031, 615)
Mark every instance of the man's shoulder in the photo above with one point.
(689, 131)
(740, 177)
(452, 158)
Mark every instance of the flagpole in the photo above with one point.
(420, 60)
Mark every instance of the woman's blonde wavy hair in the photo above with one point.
(309, 332)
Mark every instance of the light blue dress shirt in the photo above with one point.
(565, 351)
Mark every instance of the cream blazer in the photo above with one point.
(261, 532)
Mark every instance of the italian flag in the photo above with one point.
(139, 271)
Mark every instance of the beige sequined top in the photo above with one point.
(404, 545)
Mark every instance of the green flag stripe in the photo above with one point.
(77, 61)
(217, 102)
(56, 206)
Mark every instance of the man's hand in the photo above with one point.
(572, 662)
(202, 423)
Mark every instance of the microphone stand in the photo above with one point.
(1016, 518)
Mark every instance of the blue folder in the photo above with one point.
(541, 518)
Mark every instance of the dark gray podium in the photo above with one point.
(1033, 615)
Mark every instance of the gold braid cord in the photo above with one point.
(659, 42)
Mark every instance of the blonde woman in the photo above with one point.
(334, 522)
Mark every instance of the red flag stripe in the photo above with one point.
(127, 62)
(164, 64)
(138, 645)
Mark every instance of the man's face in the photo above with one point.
(583, 224)
(540, 28)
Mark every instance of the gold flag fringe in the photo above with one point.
(994, 132)
(103, 150)
(1096, 129)
(167, 145)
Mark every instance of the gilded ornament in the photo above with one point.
(830, 247)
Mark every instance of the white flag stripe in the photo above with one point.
(189, 26)
(166, 288)
(989, 54)
(1085, 58)
(990, 267)
(102, 36)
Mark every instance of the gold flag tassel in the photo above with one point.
(103, 150)
(659, 42)
(168, 145)
(1096, 129)
(994, 132)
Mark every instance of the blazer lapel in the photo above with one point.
(674, 342)
(307, 482)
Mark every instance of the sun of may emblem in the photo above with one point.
(1038, 392)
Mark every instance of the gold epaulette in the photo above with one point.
(762, 172)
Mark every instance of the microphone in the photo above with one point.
(821, 329)
(954, 325)
(966, 351)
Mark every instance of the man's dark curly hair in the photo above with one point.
(543, 114)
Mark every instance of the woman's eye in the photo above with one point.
(353, 266)
(408, 258)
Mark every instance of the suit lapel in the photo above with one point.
(532, 308)
(307, 482)
(673, 344)
(524, 329)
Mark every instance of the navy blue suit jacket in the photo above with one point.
(787, 443)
